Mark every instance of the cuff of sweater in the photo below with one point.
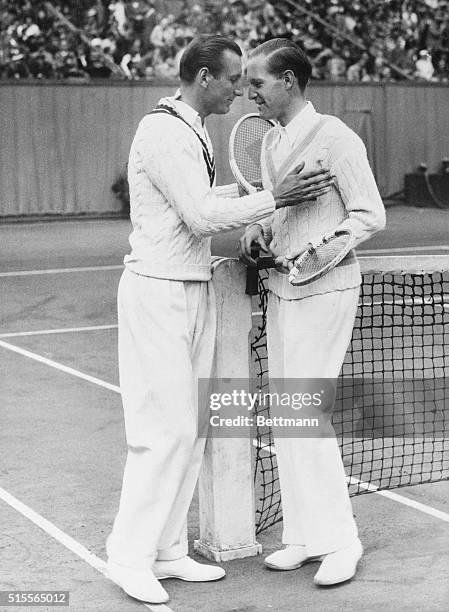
(227, 191)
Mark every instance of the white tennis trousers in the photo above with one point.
(308, 338)
(166, 342)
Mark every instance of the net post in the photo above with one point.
(226, 485)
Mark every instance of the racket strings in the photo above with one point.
(324, 254)
(247, 147)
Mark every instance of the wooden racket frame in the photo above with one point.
(311, 248)
(244, 184)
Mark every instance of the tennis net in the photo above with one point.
(392, 410)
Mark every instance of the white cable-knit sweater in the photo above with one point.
(354, 203)
(173, 209)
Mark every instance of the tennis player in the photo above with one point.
(309, 328)
(166, 314)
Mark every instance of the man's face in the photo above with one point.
(267, 90)
(223, 88)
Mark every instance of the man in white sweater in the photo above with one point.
(309, 328)
(166, 313)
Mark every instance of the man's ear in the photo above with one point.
(203, 77)
(289, 79)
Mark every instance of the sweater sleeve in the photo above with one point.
(358, 190)
(227, 191)
(171, 159)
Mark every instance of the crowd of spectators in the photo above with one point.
(356, 40)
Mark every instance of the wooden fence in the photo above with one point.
(63, 145)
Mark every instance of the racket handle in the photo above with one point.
(263, 263)
(252, 275)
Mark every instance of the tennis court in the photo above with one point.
(64, 446)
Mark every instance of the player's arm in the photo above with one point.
(170, 158)
(358, 190)
(227, 191)
(186, 188)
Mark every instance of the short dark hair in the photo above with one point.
(205, 52)
(283, 54)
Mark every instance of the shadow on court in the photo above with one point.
(63, 450)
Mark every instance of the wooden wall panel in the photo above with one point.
(62, 146)
(416, 130)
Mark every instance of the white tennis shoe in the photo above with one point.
(140, 584)
(187, 569)
(289, 558)
(340, 565)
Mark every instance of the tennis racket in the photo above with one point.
(245, 147)
(320, 258)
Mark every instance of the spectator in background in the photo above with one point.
(91, 26)
(157, 34)
(442, 68)
(137, 12)
(398, 30)
(28, 29)
(42, 65)
(43, 20)
(70, 69)
(166, 68)
(335, 65)
(380, 67)
(150, 21)
(62, 52)
(97, 67)
(17, 67)
(424, 67)
(82, 54)
(118, 16)
(399, 55)
(122, 42)
(132, 61)
(147, 66)
(359, 70)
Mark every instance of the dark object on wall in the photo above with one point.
(426, 190)
(121, 191)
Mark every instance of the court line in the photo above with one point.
(444, 516)
(59, 366)
(66, 330)
(60, 270)
(404, 249)
(61, 330)
(400, 499)
(66, 540)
